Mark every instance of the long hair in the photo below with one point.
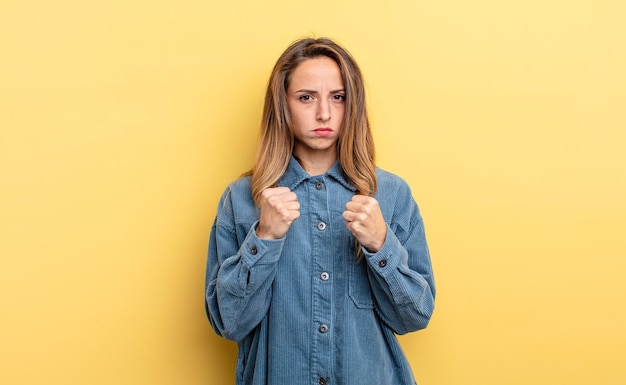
(355, 145)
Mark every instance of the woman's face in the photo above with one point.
(316, 101)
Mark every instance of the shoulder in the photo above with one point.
(396, 199)
(236, 201)
(391, 183)
(239, 188)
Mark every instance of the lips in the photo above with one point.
(323, 131)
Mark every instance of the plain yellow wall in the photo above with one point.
(121, 122)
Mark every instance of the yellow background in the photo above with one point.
(121, 122)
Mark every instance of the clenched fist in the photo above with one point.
(279, 208)
(365, 221)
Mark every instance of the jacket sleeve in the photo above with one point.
(239, 276)
(400, 273)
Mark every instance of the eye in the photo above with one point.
(339, 97)
(305, 98)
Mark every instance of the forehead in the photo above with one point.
(316, 71)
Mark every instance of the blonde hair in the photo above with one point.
(355, 145)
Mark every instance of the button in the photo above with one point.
(382, 263)
(323, 381)
(319, 185)
(323, 328)
(254, 250)
(324, 276)
(321, 226)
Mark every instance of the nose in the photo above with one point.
(323, 110)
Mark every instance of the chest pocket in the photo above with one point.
(359, 288)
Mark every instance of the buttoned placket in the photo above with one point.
(321, 327)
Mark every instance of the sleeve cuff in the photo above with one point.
(255, 250)
(387, 259)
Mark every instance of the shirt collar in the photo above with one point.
(295, 174)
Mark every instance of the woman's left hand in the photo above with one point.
(365, 221)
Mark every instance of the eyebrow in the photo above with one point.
(315, 92)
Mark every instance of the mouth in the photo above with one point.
(323, 131)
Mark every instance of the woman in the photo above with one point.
(317, 258)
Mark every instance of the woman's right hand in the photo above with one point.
(279, 208)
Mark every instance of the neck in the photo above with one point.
(316, 164)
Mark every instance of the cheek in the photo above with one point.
(340, 112)
(296, 117)
(302, 115)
